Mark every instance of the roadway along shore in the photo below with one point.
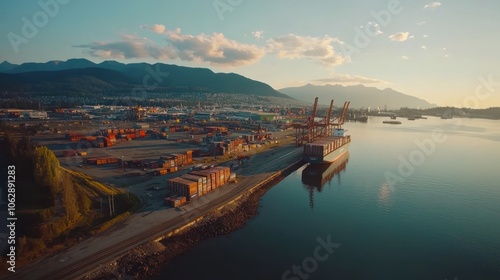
(142, 227)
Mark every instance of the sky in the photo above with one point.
(446, 52)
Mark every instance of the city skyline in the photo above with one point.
(438, 51)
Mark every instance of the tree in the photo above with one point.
(46, 170)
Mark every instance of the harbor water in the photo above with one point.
(419, 200)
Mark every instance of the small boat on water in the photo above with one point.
(393, 117)
(411, 118)
(392, 122)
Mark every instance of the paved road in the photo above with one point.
(142, 227)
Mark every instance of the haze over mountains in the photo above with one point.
(359, 95)
(76, 76)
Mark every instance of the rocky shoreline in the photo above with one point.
(143, 263)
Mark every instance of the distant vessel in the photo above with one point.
(361, 119)
(392, 122)
(357, 118)
(327, 149)
(411, 118)
(393, 117)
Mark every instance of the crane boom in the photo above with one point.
(313, 115)
(343, 113)
(329, 114)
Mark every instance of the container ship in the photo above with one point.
(327, 149)
(324, 140)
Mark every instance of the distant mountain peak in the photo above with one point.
(359, 95)
(7, 66)
(5, 62)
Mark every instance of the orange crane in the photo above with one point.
(310, 130)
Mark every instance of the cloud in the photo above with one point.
(432, 5)
(346, 79)
(317, 48)
(158, 28)
(258, 34)
(213, 49)
(424, 48)
(421, 23)
(400, 36)
(128, 47)
(425, 36)
(404, 57)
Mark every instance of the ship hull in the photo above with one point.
(331, 157)
(316, 175)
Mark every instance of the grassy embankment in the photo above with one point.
(56, 207)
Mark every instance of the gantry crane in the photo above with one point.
(311, 129)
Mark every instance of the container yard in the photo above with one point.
(141, 159)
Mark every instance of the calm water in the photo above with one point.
(439, 221)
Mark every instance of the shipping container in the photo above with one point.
(176, 201)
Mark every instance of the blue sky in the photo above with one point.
(433, 50)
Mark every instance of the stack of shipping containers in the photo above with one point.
(208, 178)
(182, 187)
(200, 180)
(198, 183)
(324, 146)
(224, 173)
(101, 161)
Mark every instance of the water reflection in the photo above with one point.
(384, 194)
(315, 176)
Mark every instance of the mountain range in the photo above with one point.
(81, 75)
(77, 76)
(359, 96)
